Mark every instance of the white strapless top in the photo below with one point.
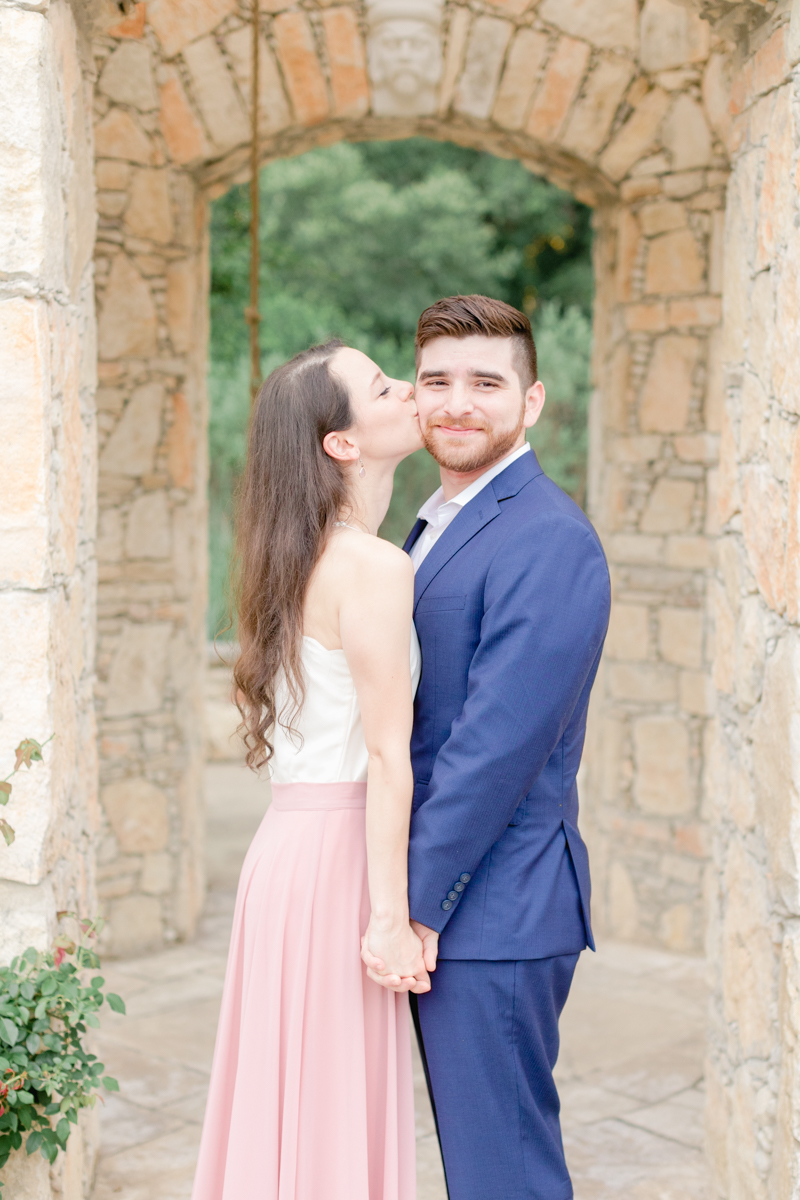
(330, 748)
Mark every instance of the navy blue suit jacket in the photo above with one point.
(511, 608)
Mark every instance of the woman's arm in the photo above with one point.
(375, 616)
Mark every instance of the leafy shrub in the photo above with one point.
(46, 1073)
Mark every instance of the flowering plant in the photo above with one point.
(46, 1072)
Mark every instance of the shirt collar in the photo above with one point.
(437, 507)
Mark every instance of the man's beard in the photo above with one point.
(467, 458)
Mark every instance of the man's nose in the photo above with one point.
(458, 401)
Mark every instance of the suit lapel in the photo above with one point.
(479, 512)
(472, 518)
(415, 532)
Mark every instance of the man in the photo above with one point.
(511, 607)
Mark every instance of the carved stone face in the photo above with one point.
(405, 60)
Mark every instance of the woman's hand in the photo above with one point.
(393, 956)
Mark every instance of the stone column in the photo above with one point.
(754, 760)
(654, 434)
(152, 295)
(47, 513)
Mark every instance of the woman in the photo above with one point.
(311, 1092)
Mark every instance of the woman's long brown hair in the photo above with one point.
(292, 493)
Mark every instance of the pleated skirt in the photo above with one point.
(311, 1094)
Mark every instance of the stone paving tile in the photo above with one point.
(630, 1070)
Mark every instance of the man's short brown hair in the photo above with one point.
(481, 316)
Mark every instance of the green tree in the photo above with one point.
(356, 240)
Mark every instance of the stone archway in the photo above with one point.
(629, 112)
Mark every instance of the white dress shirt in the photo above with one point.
(439, 512)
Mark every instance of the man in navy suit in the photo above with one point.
(511, 607)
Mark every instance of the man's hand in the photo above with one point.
(430, 944)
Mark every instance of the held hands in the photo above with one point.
(400, 958)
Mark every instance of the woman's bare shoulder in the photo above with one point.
(373, 553)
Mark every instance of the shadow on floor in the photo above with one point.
(630, 1071)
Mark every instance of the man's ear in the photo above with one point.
(340, 446)
(534, 403)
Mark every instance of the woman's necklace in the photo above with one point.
(344, 525)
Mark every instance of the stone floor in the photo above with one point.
(630, 1071)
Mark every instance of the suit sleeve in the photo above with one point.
(546, 607)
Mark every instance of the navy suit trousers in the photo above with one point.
(489, 1033)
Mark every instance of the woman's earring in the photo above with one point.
(361, 470)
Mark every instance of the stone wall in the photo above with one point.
(753, 765)
(48, 507)
(628, 109)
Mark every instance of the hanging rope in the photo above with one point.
(252, 315)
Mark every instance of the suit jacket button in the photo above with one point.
(447, 905)
(459, 887)
(452, 895)
(465, 878)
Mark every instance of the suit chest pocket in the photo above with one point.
(435, 604)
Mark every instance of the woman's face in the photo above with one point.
(386, 426)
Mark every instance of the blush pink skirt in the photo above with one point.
(311, 1094)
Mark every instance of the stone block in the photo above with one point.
(652, 684)
(669, 507)
(148, 533)
(176, 25)
(119, 136)
(750, 653)
(216, 95)
(156, 874)
(520, 78)
(347, 61)
(457, 31)
(132, 446)
(667, 392)
(181, 443)
(138, 670)
(180, 303)
(25, 447)
(127, 77)
(695, 693)
(27, 1177)
(646, 318)
(672, 36)
(112, 175)
(637, 449)
(628, 242)
(680, 636)
(592, 116)
(701, 310)
(771, 62)
(636, 550)
(628, 635)
(301, 68)
(776, 765)
(674, 264)
(128, 324)
(677, 929)
(662, 217)
(149, 213)
(273, 107)
(681, 184)
(688, 553)
(486, 49)
(764, 524)
(778, 189)
(747, 965)
(134, 925)
(623, 906)
(662, 785)
(636, 136)
(562, 80)
(717, 96)
(130, 27)
(610, 26)
(137, 811)
(698, 447)
(183, 132)
(686, 135)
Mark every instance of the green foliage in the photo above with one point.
(356, 240)
(46, 1073)
(27, 752)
